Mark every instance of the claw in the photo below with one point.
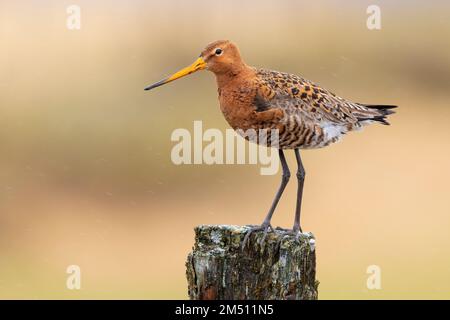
(264, 227)
(289, 232)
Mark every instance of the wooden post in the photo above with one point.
(282, 267)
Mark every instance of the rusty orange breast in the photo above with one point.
(238, 98)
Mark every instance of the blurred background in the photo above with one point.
(85, 171)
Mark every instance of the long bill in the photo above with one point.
(199, 64)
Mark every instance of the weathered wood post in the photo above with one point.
(282, 267)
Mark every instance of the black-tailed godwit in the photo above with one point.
(306, 115)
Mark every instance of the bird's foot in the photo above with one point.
(265, 226)
(296, 231)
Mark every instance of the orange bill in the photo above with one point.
(199, 64)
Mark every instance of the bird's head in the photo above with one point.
(220, 57)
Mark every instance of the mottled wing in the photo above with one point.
(298, 96)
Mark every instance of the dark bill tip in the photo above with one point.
(157, 84)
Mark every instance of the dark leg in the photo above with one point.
(301, 180)
(284, 181)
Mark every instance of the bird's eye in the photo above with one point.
(218, 52)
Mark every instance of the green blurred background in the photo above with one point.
(85, 170)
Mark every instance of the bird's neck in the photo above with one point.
(234, 73)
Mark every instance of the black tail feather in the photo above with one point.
(381, 119)
(384, 111)
(379, 106)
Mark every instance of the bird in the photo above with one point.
(305, 115)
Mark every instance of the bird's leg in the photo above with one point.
(296, 229)
(266, 223)
(301, 180)
(284, 181)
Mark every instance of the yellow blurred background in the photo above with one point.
(85, 170)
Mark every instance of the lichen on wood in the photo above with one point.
(280, 267)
